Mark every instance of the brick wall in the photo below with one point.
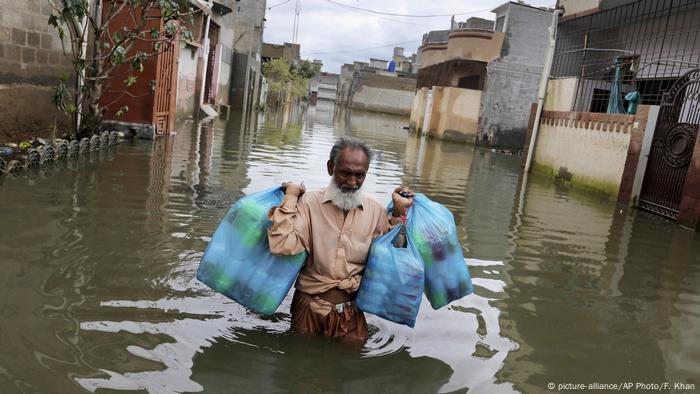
(31, 61)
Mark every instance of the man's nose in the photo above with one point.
(352, 181)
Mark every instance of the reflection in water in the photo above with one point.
(99, 260)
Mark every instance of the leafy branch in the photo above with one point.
(111, 43)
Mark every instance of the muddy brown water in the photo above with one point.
(98, 258)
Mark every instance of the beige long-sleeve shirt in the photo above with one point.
(338, 245)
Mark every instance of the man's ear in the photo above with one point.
(330, 166)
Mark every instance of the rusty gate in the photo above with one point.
(672, 147)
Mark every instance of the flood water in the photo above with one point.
(98, 259)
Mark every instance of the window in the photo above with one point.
(652, 90)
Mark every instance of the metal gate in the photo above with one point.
(672, 147)
(166, 83)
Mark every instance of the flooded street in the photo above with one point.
(98, 260)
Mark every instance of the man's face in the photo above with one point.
(350, 172)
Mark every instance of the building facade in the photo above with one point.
(247, 78)
(609, 57)
(328, 86)
(176, 82)
(379, 85)
(489, 70)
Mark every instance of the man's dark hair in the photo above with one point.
(349, 142)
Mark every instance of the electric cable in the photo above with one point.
(405, 15)
(364, 49)
(394, 20)
(278, 4)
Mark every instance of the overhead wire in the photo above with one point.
(364, 49)
(278, 4)
(405, 15)
(394, 20)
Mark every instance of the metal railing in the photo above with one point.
(653, 42)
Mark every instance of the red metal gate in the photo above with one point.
(166, 85)
(672, 147)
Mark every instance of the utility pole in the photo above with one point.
(295, 28)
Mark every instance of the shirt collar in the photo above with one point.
(327, 198)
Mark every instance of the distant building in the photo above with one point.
(478, 79)
(374, 86)
(327, 86)
(288, 52)
(378, 64)
(473, 23)
(404, 64)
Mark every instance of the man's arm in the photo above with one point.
(289, 233)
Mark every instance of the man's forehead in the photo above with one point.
(350, 157)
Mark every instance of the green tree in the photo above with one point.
(101, 50)
(282, 76)
(278, 74)
(305, 69)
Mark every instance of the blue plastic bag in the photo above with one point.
(238, 262)
(434, 235)
(392, 285)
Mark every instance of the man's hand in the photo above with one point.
(292, 189)
(402, 203)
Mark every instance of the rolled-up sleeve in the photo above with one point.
(289, 233)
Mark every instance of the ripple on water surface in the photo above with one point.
(99, 262)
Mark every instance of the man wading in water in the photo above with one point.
(336, 225)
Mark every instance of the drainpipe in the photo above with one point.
(543, 87)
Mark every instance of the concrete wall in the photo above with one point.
(378, 63)
(226, 40)
(187, 82)
(513, 79)
(476, 45)
(475, 23)
(377, 99)
(246, 52)
(560, 94)
(415, 122)
(344, 82)
(590, 150)
(31, 62)
(382, 93)
(432, 54)
(453, 112)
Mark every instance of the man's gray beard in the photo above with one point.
(344, 201)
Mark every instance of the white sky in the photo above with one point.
(325, 27)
